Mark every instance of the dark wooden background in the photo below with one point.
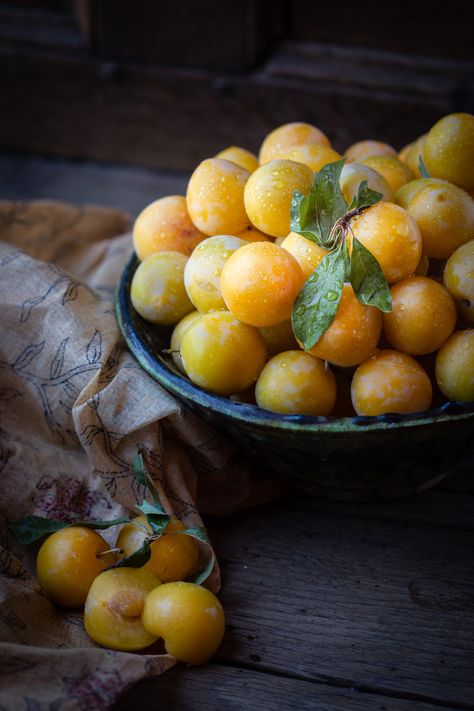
(165, 84)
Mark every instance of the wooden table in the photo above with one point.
(329, 606)
(339, 606)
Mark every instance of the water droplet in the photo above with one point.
(401, 229)
(465, 345)
(331, 295)
(284, 364)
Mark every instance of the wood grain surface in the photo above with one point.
(217, 687)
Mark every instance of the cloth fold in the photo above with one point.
(74, 408)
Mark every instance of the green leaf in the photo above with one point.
(318, 301)
(137, 559)
(156, 517)
(367, 278)
(201, 534)
(139, 469)
(422, 168)
(143, 477)
(314, 215)
(204, 574)
(365, 197)
(31, 528)
(299, 209)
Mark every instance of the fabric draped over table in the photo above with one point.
(74, 407)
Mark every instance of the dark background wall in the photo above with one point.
(166, 84)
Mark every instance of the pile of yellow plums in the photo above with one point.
(223, 267)
(127, 608)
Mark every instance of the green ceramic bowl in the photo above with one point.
(351, 458)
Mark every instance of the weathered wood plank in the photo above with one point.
(420, 31)
(129, 188)
(372, 604)
(462, 481)
(439, 509)
(187, 33)
(40, 26)
(450, 505)
(214, 688)
(70, 105)
(377, 68)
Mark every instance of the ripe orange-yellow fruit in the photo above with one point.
(241, 156)
(188, 617)
(260, 283)
(296, 383)
(308, 254)
(165, 226)
(202, 273)
(448, 150)
(353, 174)
(422, 318)
(279, 337)
(365, 149)
(445, 215)
(455, 366)
(215, 197)
(173, 555)
(221, 354)
(114, 606)
(407, 192)
(353, 335)
(157, 290)
(269, 191)
(412, 154)
(177, 336)
(68, 562)
(251, 234)
(286, 137)
(392, 236)
(314, 155)
(458, 278)
(390, 381)
(393, 170)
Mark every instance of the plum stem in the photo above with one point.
(110, 550)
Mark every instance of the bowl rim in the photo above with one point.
(252, 415)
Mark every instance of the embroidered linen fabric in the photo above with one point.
(74, 407)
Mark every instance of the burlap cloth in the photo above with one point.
(74, 406)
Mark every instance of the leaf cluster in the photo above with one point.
(324, 217)
(31, 529)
